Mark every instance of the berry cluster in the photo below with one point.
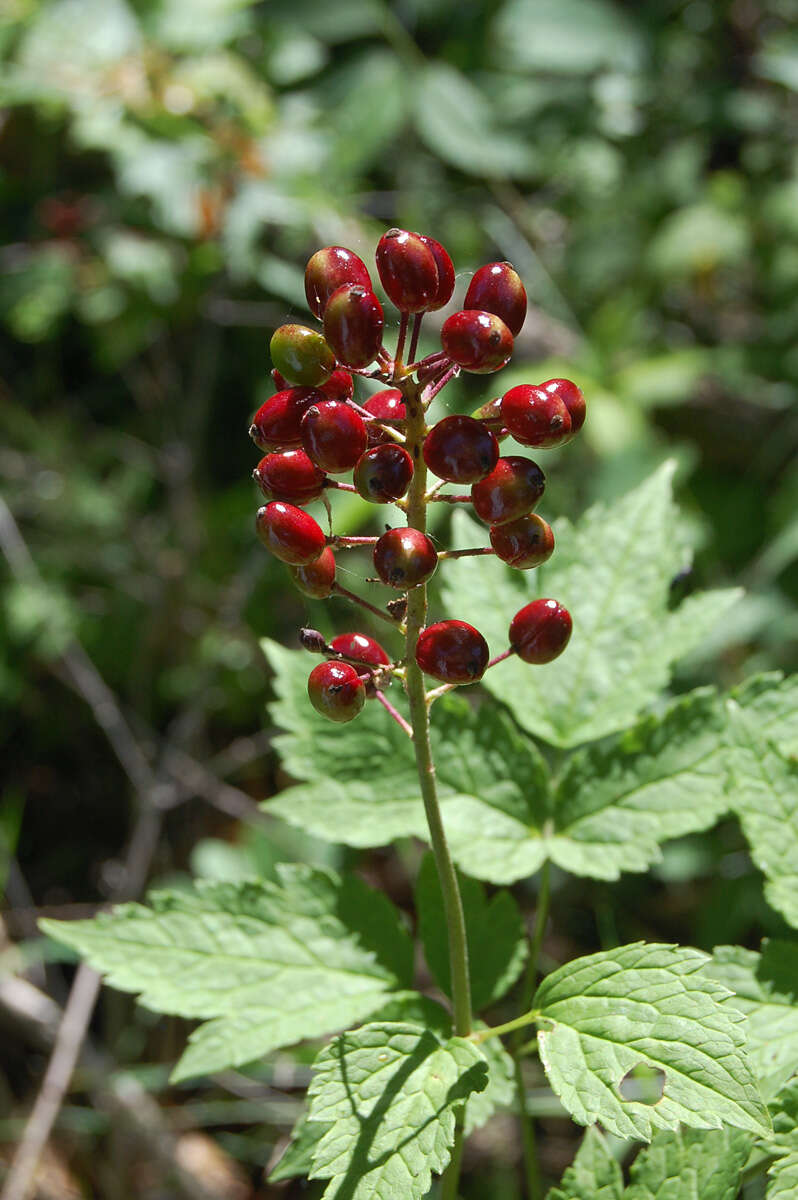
(312, 432)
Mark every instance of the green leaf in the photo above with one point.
(388, 1091)
(566, 36)
(772, 701)
(617, 801)
(690, 1164)
(495, 930)
(765, 797)
(650, 1005)
(783, 1178)
(594, 1173)
(784, 1110)
(765, 988)
(612, 571)
(297, 1158)
(233, 953)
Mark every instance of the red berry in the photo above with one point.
(405, 557)
(336, 691)
(524, 543)
(571, 397)
(329, 269)
(386, 405)
(353, 324)
(460, 450)
(539, 632)
(277, 423)
(383, 473)
(289, 475)
(316, 578)
(363, 648)
(291, 534)
(334, 435)
(301, 355)
(477, 341)
(340, 385)
(443, 262)
(512, 490)
(407, 270)
(452, 651)
(535, 417)
(497, 288)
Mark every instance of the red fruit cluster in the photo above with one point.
(313, 433)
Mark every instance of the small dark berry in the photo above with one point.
(452, 651)
(536, 417)
(336, 691)
(383, 473)
(353, 324)
(327, 270)
(572, 398)
(291, 534)
(289, 475)
(301, 355)
(386, 405)
(443, 262)
(497, 288)
(524, 543)
(312, 640)
(539, 632)
(340, 386)
(334, 435)
(512, 490)
(477, 341)
(363, 648)
(277, 423)
(405, 557)
(316, 578)
(407, 270)
(460, 450)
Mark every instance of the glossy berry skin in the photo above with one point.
(460, 450)
(479, 342)
(536, 417)
(383, 473)
(289, 475)
(291, 534)
(301, 355)
(362, 647)
(327, 270)
(405, 557)
(353, 324)
(336, 691)
(277, 423)
(386, 405)
(407, 270)
(333, 435)
(571, 397)
(443, 262)
(524, 543)
(316, 578)
(512, 490)
(497, 288)
(452, 651)
(539, 632)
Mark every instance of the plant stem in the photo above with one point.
(451, 1176)
(432, 389)
(397, 716)
(534, 1182)
(411, 353)
(466, 553)
(508, 1027)
(400, 345)
(339, 590)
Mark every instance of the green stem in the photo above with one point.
(451, 1178)
(509, 1027)
(534, 1182)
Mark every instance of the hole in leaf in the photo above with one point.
(644, 1084)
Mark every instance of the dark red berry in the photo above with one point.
(277, 423)
(539, 632)
(383, 473)
(334, 435)
(301, 355)
(363, 648)
(452, 651)
(353, 323)
(336, 691)
(497, 288)
(524, 543)
(512, 490)
(407, 270)
(477, 341)
(536, 417)
(291, 534)
(329, 269)
(405, 557)
(443, 262)
(340, 385)
(289, 475)
(460, 450)
(386, 405)
(572, 398)
(316, 578)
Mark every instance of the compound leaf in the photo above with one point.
(604, 1015)
(233, 952)
(690, 1164)
(593, 1175)
(388, 1092)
